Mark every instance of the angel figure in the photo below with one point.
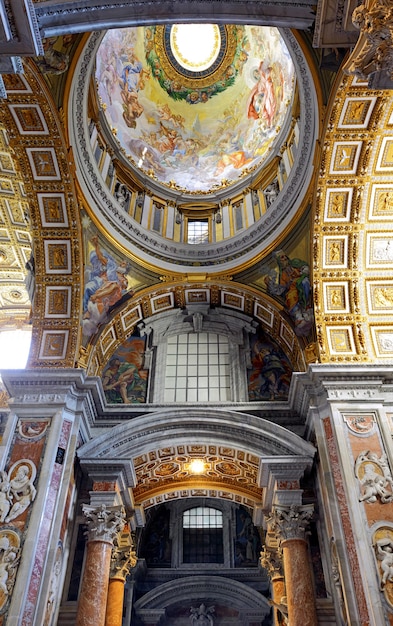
(384, 550)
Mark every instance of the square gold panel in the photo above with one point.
(43, 163)
(287, 335)
(385, 155)
(108, 339)
(336, 297)
(16, 212)
(16, 83)
(340, 340)
(345, 157)
(338, 204)
(29, 119)
(131, 317)
(54, 344)
(6, 163)
(23, 237)
(57, 256)
(379, 250)
(52, 209)
(232, 300)
(381, 202)
(380, 297)
(382, 337)
(335, 251)
(162, 302)
(6, 187)
(195, 296)
(356, 112)
(264, 314)
(58, 302)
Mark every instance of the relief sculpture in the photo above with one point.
(17, 491)
(375, 478)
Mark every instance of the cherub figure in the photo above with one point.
(384, 549)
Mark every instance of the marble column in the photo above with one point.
(103, 523)
(272, 561)
(123, 559)
(290, 524)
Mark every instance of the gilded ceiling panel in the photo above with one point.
(353, 250)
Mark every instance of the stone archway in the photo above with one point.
(230, 601)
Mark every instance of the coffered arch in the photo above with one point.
(241, 453)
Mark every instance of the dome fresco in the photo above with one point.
(200, 124)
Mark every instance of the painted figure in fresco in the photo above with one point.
(55, 61)
(270, 375)
(106, 284)
(120, 377)
(294, 285)
(262, 103)
(133, 78)
(247, 540)
(124, 380)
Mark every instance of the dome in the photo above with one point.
(195, 106)
(175, 149)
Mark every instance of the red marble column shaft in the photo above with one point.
(299, 583)
(115, 601)
(94, 591)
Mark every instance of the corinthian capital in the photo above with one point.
(271, 560)
(103, 522)
(122, 561)
(291, 522)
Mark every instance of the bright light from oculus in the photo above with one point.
(195, 46)
(197, 466)
(14, 348)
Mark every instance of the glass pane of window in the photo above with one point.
(198, 361)
(198, 231)
(203, 536)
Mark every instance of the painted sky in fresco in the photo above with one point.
(197, 140)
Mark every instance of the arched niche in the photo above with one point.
(234, 602)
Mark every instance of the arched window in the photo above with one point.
(203, 535)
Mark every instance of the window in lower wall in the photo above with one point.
(203, 536)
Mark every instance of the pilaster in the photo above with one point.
(349, 413)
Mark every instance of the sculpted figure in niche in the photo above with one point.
(375, 478)
(384, 550)
(9, 558)
(16, 490)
